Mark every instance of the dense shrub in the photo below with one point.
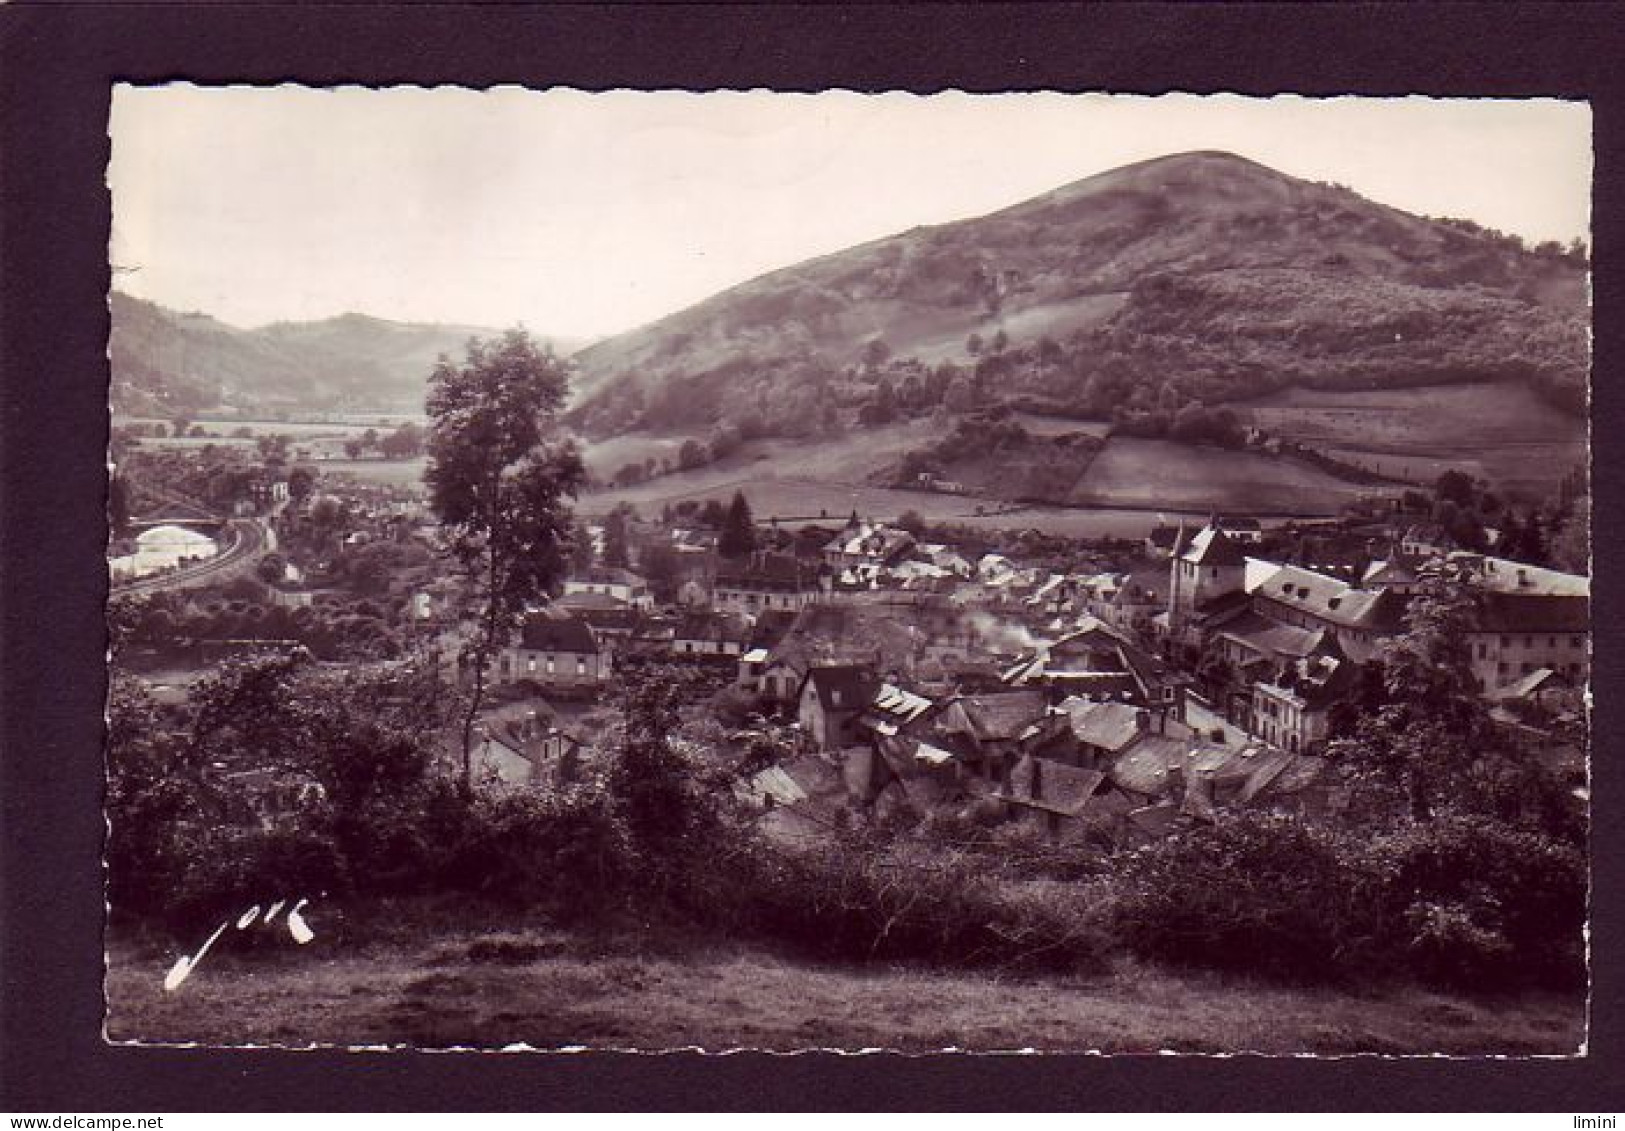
(565, 851)
(1460, 902)
(1473, 903)
(1258, 892)
(849, 901)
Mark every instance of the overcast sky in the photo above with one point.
(584, 214)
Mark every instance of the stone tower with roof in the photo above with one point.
(1204, 566)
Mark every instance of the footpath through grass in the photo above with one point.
(550, 989)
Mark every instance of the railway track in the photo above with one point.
(245, 548)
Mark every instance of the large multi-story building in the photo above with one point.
(557, 652)
(765, 581)
(1529, 618)
(612, 581)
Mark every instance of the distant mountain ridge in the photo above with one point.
(166, 362)
(1205, 269)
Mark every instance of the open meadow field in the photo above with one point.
(1161, 473)
(778, 496)
(398, 472)
(549, 989)
(297, 429)
(1501, 431)
(1132, 486)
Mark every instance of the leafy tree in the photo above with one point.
(724, 442)
(657, 789)
(301, 480)
(958, 397)
(1418, 749)
(913, 522)
(886, 400)
(876, 352)
(629, 475)
(692, 454)
(160, 809)
(1457, 486)
(738, 536)
(617, 545)
(271, 568)
(498, 476)
(657, 562)
(581, 550)
(272, 447)
(1571, 542)
(403, 443)
(713, 514)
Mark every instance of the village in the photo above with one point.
(1105, 693)
(918, 677)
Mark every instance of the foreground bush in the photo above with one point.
(1257, 893)
(1471, 903)
(1461, 902)
(849, 901)
(563, 851)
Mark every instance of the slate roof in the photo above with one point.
(1298, 775)
(1502, 575)
(1538, 680)
(1219, 765)
(1271, 637)
(624, 619)
(1093, 654)
(1333, 600)
(700, 625)
(899, 705)
(842, 687)
(1267, 766)
(1319, 680)
(581, 601)
(607, 575)
(1109, 726)
(1155, 819)
(774, 573)
(1051, 786)
(1142, 587)
(1532, 613)
(1396, 569)
(544, 632)
(1210, 546)
(1004, 715)
(1147, 765)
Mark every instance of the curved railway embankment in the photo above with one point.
(246, 542)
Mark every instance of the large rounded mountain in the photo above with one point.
(1204, 270)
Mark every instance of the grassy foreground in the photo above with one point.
(548, 989)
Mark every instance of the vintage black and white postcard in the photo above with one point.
(739, 570)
